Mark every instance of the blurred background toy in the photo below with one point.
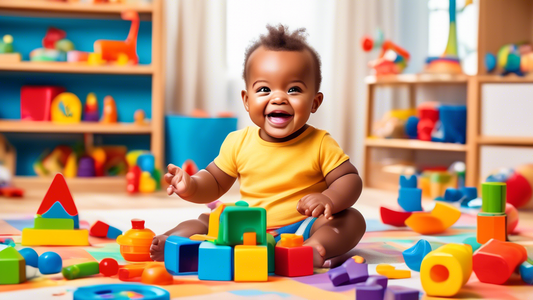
(112, 50)
(519, 184)
(392, 59)
(7, 52)
(90, 113)
(109, 114)
(142, 174)
(511, 58)
(55, 47)
(66, 108)
(36, 101)
(392, 125)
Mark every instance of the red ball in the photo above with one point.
(108, 267)
(367, 43)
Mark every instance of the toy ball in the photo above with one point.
(512, 217)
(490, 62)
(30, 256)
(64, 45)
(367, 43)
(108, 267)
(50, 263)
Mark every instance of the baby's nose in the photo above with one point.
(279, 97)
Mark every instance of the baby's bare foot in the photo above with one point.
(157, 249)
(318, 254)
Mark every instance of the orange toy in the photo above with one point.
(249, 238)
(435, 222)
(110, 110)
(491, 227)
(111, 50)
(291, 240)
(156, 274)
(135, 243)
(495, 261)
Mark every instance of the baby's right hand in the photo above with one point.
(179, 180)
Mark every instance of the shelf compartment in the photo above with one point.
(64, 67)
(510, 141)
(83, 127)
(46, 6)
(414, 144)
(77, 184)
(417, 79)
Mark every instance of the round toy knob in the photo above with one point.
(137, 224)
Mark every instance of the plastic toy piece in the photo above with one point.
(491, 227)
(71, 168)
(108, 267)
(146, 183)
(410, 199)
(54, 237)
(413, 256)
(58, 192)
(495, 261)
(236, 220)
(110, 50)
(109, 115)
(86, 167)
(246, 256)
(110, 291)
(47, 223)
(526, 272)
(493, 194)
(131, 271)
(66, 108)
(146, 162)
(99, 156)
(271, 245)
(451, 127)
(50, 263)
(190, 167)
(441, 217)
(181, 255)
(401, 293)
(452, 195)
(95, 59)
(291, 240)
(429, 115)
(30, 256)
(156, 275)
(446, 270)
(90, 112)
(58, 212)
(472, 241)
(368, 291)
(249, 238)
(359, 259)
(294, 261)
(356, 272)
(11, 192)
(338, 276)
(81, 270)
(215, 262)
(377, 279)
(138, 117)
(99, 229)
(214, 223)
(133, 178)
(7, 241)
(52, 36)
(394, 218)
(411, 182)
(391, 273)
(135, 243)
(36, 101)
(13, 266)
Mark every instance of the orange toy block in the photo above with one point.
(249, 238)
(391, 272)
(495, 261)
(437, 221)
(291, 240)
(491, 227)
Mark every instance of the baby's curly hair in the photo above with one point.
(280, 39)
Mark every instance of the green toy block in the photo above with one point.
(12, 266)
(493, 197)
(238, 219)
(271, 246)
(487, 214)
(45, 223)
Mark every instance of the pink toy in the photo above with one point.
(35, 102)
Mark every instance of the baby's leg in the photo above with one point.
(184, 229)
(331, 238)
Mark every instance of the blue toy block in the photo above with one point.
(469, 192)
(413, 256)
(181, 255)
(215, 262)
(356, 272)
(408, 182)
(58, 212)
(30, 256)
(379, 280)
(410, 199)
(452, 195)
(526, 272)
(50, 263)
(452, 125)
(338, 276)
(411, 127)
(368, 292)
(401, 293)
(146, 162)
(113, 233)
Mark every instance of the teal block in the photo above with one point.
(472, 241)
(526, 272)
(58, 212)
(413, 256)
(181, 255)
(215, 262)
(271, 246)
(236, 220)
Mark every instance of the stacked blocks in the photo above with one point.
(101, 229)
(251, 263)
(495, 261)
(410, 197)
(181, 255)
(239, 219)
(215, 262)
(445, 270)
(348, 273)
(57, 221)
(12, 266)
(413, 256)
(492, 220)
(292, 259)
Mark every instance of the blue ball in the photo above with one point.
(30, 256)
(50, 263)
(490, 62)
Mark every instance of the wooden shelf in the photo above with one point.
(83, 127)
(78, 184)
(509, 141)
(414, 144)
(505, 79)
(417, 79)
(65, 67)
(40, 5)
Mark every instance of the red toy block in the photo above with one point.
(394, 218)
(99, 229)
(35, 102)
(294, 261)
(11, 192)
(429, 115)
(495, 261)
(133, 178)
(58, 192)
(52, 36)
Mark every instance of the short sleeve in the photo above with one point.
(331, 155)
(225, 160)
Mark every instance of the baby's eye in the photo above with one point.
(263, 89)
(295, 89)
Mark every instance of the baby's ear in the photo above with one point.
(244, 96)
(317, 101)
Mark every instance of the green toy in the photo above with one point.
(12, 266)
(239, 219)
(6, 45)
(271, 245)
(493, 197)
(81, 270)
(46, 223)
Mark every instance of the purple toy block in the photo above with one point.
(401, 293)
(338, 276)
(356, 272)
(368, 292)
(377, 279)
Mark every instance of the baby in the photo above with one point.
(298, 173)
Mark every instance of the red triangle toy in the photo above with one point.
(58, 192)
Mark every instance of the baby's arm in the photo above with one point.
(203, 187)
(344, 188)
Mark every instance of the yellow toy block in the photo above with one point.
(251, 263)
(249, 239)
(391, 272)
(444, 271)
(54, 237)
(291, 240)
(214, 221)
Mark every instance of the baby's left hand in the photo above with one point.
(315, 205)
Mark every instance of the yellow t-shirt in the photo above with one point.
(276, 175)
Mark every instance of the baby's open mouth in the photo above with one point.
(278, 115)
(279, 118)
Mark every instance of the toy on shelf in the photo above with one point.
(428, 114)
(36, 102)
(101, 229)
(135, 243)
(437, 221)
(109, 115)
(392, 125)
(13, 266)
(519, 182)
(55, 47)
(90, 113)
(66, 108)
(451, 126)
(492, 220)
(496, 261)
(7, 54)
(111, 50)
(392, 59)
(140, 117)
(57, 221)
(7, 169)
(511, 58)
(142, 176)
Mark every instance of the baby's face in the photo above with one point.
(280, 93)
